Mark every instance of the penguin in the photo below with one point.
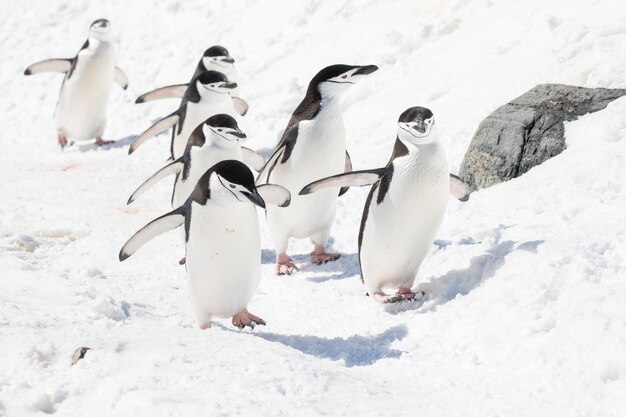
(205, 96)
(311, 147)
(403, 209)
(215, 140)
(81, 109)
(222, 241)
(216, 58)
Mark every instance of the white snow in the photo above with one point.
(526, 314)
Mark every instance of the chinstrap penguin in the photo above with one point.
(216, 58)
(207, 95)
(311, 147)
(217, 139)
(222, 242)
(81, 109)
(404, 207)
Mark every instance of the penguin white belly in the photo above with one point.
(319, 152)
(81, 109)
(223, 258)
(196, 114)
(399, 232)
(201, 160)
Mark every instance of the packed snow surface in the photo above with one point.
(525, 313)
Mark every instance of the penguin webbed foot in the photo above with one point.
(245, 318)
(288, 268)
(399, 297)
(102, 142)
(324, 257)
(62, 140)
(285, 265)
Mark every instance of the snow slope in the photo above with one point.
(525, 314)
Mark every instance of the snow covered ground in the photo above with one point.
(526, 313)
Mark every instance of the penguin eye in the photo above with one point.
(344, 76)
(219, 130)
(213, 85)
(232, 185)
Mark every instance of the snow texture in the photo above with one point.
(525, 312)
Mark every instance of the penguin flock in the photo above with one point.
(219, 184)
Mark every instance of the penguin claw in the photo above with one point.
(286, 268)
(325, 257)
(62, 141)
(101, 142)
(245, 318)
(397, 297)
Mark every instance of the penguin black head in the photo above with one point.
(217, 55)
(100, 27)
(333, 80)
(415, 125)
(224, 126)
(221, 129)
(214, 81)
(228, 181)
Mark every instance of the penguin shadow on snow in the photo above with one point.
(354, 350)
(447, 287)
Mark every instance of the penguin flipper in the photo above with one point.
(240, 105)
(344, 190)
(282, 154)
(274, 194)
(459, 188)
(169, 169)
(156, 227)
(163, 124)
(170, 91)
(50, 65)
(348, 179)
(249, 157)
(120, 78)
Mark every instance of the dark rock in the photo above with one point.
(528, 131)
(79, 354)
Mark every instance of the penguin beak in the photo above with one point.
(420, 126)
(238, 133)
(367, 69)
(255, 198)
(229, 86)
(228, 59)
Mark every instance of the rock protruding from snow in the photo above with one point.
(79, 354)
(528, 131)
